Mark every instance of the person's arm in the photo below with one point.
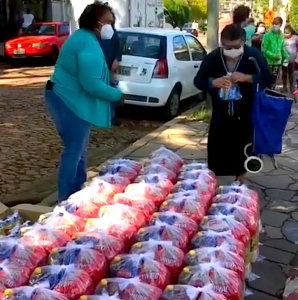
(266, 48)
(90, 70)
(284, 53)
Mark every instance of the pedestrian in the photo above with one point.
(273, 48)
(235, 74)
(28, 19)
(288, 67)
(110, 45)
(257, 38)
(79, 94)
(241, 17)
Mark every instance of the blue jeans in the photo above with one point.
(75, 134)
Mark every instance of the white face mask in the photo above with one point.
(233, 53)
(106, 32)
(261, 30)
(276, 28)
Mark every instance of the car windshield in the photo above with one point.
(143, 45)
(40, 29)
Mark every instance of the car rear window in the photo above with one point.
(143, 45)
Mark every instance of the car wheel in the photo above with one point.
(54, 55)
(172, 105)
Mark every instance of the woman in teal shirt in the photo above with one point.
(79, 94)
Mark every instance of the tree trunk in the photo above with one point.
(212, 24)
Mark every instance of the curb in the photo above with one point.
(51, 199)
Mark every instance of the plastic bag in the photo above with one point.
(190, 195)
(238, 188)
(125, 213)
(120, 169)
(83, 257)
(62, 220)
(148, 191)
(147, 206)
(142, 266)
(164, 152)
(9, 222)
(158, 179)
(159, 169)
(21, 253)
(188, 292)
(188, 207)
(176, 219)
(32, 293)
(67, 280)
(224, 281)
(164, 232)
(104, 296)
(16, 231)
(164, 252)
(44, 236)
(128, 289)
(104, 243)
(221, 254)
(117, 228)
(166, 162)
(127, 162)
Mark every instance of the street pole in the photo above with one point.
(271, 2)
(212, 24)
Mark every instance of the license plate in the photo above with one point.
(19, 51)
(125, 71)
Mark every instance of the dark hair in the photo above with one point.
(92, 13)
(279, 19)
(232, 32)
(290, 29)
(28, 11)
(258, 25)
(240, 14)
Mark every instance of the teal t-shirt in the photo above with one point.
(250, 31)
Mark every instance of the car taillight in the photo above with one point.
(161, 69)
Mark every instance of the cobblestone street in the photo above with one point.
(29, 145)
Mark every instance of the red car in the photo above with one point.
(43, 39)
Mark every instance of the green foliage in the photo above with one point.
(259, 9)
(184, 11)
(294, 14)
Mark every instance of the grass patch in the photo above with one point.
(203, 113)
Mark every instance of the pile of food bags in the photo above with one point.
(155, 231)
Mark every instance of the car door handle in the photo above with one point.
(196, 66)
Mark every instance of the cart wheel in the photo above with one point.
(253, 165)
(246, 149)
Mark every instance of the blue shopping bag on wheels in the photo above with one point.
(270, 114)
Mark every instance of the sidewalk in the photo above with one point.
(277, 193)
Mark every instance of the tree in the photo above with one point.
(294, 14)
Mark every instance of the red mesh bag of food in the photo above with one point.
(166, 162)
(127, 162)
(44, 236)
(90, 194)
(81, 207)
(188, 292)
(159, 179)
(164, 232)
(164, 252)
(224, 281)
(192, 209)
(117, 228)
(166, 153)
(238, 188)
(62, 220)
(120, 169)
(176, 219)
(13, 275)
(148, 191)
(32, 293)
(147, 206)
(125, 213)
(83, 257)
(142, 266)
(21, 253)
(128, 289)
(212, 238)
(67, 280)
(104, 296)
(104, 243)
(221, 254)
(159, 169)
(194, 166)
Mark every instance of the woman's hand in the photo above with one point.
(221, 83)
(240, 77)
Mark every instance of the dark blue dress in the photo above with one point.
(230, 128)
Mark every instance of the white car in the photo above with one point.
(158, 67)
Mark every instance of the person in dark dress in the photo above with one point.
(230, 128)
(257, 38)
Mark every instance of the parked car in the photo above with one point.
(43, 39)
(158, 67)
